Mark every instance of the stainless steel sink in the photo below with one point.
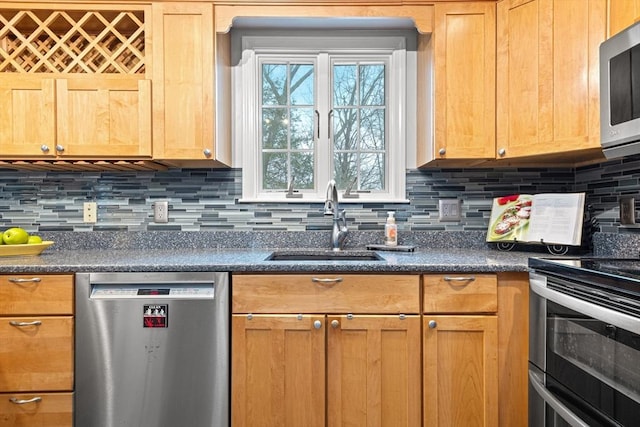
(324, 255)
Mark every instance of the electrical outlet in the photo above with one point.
(449, 210)
(90, 212)
(161, 211)
(627, 211)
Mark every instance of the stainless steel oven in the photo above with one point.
(584, 354)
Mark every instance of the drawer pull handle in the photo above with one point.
(23, 401)
(324, 281)
(19, 280)
(21, 324)
(459, 279)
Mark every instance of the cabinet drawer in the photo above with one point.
(50, 410)
(335, 293)
(460, 293)
(37, 356)
(26, 294)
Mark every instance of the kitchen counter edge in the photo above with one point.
(247, 260)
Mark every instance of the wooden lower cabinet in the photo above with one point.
(36, 350)
(318, 369)
(37, 353)
(278, 371)
(460, 370)
(369, 363)
(36, 410)
(372, 371)
(346, 360)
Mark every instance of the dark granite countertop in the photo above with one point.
(245, 260)
(248, 251)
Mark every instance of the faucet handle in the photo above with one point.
(291, 193)
(347, 193)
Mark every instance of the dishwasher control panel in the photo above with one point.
(190, 291)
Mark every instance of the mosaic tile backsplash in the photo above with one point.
(207, 199)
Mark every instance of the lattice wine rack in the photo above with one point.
(70, 41)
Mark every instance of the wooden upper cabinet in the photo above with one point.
(103, 117)
(463, 45)
(548, 78)
(26, 99)
(73, 82)
(184, 82)
(622, 13)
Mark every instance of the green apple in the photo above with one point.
(34, 240)
(15, 236)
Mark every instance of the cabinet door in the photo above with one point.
(38, 409)
(37, 353)
(104, 117)
(27, 114)
(372, 375)
(622, 13)
(548, 79)
(460, 371)
(278, 371)
(183, 76)
(465, 80)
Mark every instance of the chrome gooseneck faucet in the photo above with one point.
(331, 207)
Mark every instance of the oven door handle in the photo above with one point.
(556, 404)
(538, 284)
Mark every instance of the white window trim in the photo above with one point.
(246, 131)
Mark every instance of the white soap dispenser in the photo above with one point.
(391, 230)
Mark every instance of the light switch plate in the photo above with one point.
(449, 210)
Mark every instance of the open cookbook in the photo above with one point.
(551, 219)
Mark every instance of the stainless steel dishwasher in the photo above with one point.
(152, 350)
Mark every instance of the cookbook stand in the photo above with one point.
(589, 226)
(551, 248)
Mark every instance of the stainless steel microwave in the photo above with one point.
(620, 93)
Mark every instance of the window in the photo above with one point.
(314, 108)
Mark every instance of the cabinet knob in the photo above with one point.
(207, 152)
(59, 148)
(442, 151)
(432, 324)
(502, 152)
(317, 324)
(335, 324)
(44, 148)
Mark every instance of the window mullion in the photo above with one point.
(324, 160)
